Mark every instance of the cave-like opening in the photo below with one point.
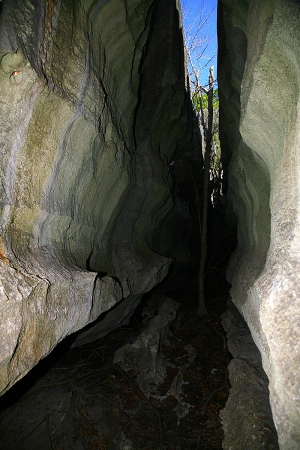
(160, 379)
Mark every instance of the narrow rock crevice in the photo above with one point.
(100, 156)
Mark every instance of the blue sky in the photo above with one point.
(191, 9)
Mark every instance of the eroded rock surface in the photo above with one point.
(247, 417)
(259, 101)
(93, 109)
(144, 355)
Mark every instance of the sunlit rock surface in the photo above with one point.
(93, 108)
(259, 72)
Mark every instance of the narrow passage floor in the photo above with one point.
(83, 400)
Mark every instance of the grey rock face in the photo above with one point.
(259, 98)
(247, 417)
(144, 354)
(93, 108)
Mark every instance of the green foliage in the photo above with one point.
(196, 97)
(216, 157)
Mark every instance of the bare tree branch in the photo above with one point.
(196, 46)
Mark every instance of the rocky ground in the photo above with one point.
(89, 398)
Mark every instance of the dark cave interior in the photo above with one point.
(54, 405)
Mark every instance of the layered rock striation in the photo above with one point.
(259, 82)
(94, 106)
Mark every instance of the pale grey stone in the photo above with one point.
(259, 113)
(93, 107)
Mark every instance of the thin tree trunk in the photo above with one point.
(203, 227)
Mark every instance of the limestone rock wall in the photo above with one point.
(93, 108)
(259, 81)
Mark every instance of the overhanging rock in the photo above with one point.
(93, 106)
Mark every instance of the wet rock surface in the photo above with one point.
(86, 401)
